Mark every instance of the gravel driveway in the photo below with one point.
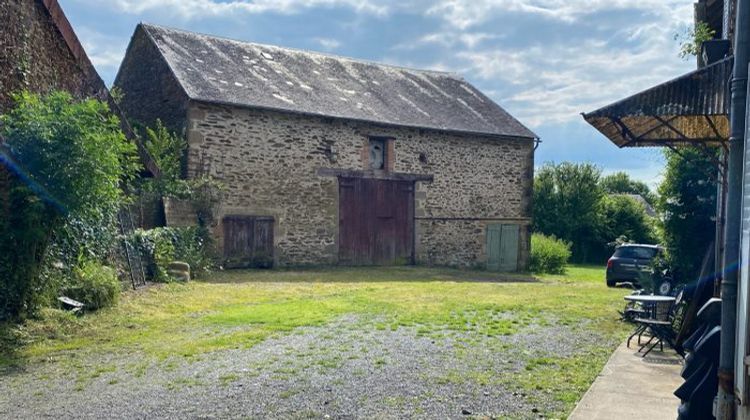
(345, 369)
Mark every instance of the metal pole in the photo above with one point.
(721, 201)
(726, 400)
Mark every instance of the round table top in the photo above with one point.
(650, 298)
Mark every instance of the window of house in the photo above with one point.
(377, 153)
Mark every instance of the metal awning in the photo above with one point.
(691, 109)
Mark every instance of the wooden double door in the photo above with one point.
(248, 241)
(376, 221)
(502, 247)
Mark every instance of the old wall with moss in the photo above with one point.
(277, 164)
(34, 54)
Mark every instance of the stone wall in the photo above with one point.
(34, 55)
(143, 74)
(270, 163)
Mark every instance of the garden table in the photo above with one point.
(655, 308)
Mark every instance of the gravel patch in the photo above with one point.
(345, 369)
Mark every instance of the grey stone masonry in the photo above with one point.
(274, 164)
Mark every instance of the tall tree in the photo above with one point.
(567, 203)
(687, 203)
(622, 183)
(623, 216)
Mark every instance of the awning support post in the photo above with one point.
(729, 272)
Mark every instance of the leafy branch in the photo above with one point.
(693, 38)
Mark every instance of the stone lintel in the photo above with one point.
(374, 174)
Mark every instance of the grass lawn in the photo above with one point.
(242, 309)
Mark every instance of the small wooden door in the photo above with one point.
(248, 241)
(376, 221)
(502, 247)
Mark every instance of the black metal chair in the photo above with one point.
(662, 327)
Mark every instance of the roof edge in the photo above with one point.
(454, 75)
(65, 29)
(587, 115)
(342, 118)
(144, 26)
(63, 26)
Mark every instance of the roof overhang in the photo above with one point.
(689, 110)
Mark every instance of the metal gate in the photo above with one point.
(248, 241)
(376, 221)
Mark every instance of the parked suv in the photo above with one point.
(631, 262)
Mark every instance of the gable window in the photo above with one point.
(377, 153)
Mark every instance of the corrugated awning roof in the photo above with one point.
(690, 109)
(219, 70)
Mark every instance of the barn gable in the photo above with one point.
(223, 71)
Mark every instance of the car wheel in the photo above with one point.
(611, 283)
(665, 287)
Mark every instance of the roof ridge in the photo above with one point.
(452, 74)
(208, 69)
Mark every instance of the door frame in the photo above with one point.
(410, 217)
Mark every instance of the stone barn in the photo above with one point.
(332, 160)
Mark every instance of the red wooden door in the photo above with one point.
(376, 221)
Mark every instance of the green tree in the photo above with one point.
(167, 149)
(574, 203)
(567, 204)
(687, 204)
(622, 216)
(622, 183)
(68, 160)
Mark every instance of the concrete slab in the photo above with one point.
(632, 387)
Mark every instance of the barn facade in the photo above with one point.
(330, 160)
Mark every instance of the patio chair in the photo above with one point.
(663, 327)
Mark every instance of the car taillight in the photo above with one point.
(609, 263)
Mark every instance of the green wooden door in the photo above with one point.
(493, 247)
(502, 247)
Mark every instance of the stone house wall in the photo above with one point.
(143, 74)
(270, 163)
(35, 56)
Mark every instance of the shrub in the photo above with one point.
(162, 245)
(93, 284)
(548, 254)
(193, 245)
(67, 160)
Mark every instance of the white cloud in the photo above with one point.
(542, 87)
(552, 82)
(449, 39)
(104, 51)
(539, 79)
(328, 44)
(465, 13)
(189, 9)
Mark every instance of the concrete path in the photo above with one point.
(630, 387)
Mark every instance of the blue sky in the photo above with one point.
(545, 61)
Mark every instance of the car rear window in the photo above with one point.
(635, 252)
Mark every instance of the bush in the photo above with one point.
(162, 245)
(67, 161)
(548, 254)
(95, 285)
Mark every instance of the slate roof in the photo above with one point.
(219, 70)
